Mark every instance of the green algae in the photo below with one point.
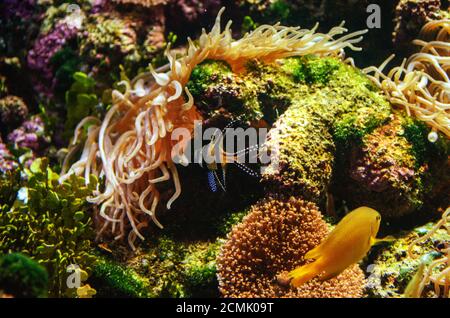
(394, 163)
(81, 100)
(50, 223)
(166, 267)
(338, 107)
(323, 107)
(311, 70)
(111, 279)
(416, 132)
(21, 276)
(205, 74)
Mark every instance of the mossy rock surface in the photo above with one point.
(330, 120)
(165, 267)
(20, 276)
(390, 268)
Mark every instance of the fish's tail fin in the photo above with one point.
(302, 274)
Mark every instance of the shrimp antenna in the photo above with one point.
(221, 183)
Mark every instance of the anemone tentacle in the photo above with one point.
(421, 84)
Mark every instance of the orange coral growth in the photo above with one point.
(272, 240)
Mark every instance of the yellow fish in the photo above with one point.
(347, 244)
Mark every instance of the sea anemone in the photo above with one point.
(132, 147)
(421, 84)
(438, 271)
(272, 240)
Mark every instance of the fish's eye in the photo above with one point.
(378, 217)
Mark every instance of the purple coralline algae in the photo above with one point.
(44, 49)
(99, 6)
(13, 112)
(31, 134)
(6, 162)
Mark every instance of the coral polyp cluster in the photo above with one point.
(272, 239)
(132, 147)
(421, 84)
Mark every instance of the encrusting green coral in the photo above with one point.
(50, 223)
(81, 100)
(21, 276)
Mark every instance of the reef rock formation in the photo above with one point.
(411, 16)
(393, 268)
(396, 170)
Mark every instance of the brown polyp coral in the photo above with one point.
(271, 240)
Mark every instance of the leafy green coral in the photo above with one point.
(21, 276)
(66, 62)
(50, 222)
(323, 106)
(81, 100)
(9, 185)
